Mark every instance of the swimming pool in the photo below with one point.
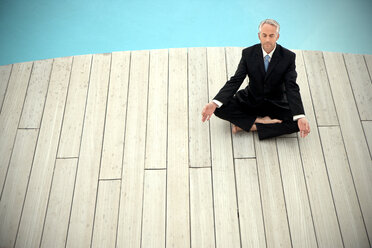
(32, 30)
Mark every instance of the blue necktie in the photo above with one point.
(266, 61)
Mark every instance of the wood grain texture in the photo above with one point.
(131, 196)
(320, 196)
(352, 133)
(225, 202)
(199, 139)
(85, 193)
(361, 84)
(154, 209)
(273, 204)
(69, 145)
(36, 94)
(297, 203)
(346, 202)
(11, 112)
(106, 217)
(319, 86)
(201, 208)
(113, 143)
(59, 206)
(121, 158)
(15, 187)
(249, 199)
(4, 80)
(367, 127)
(157, 114)
(35, 205)
(368, 59)
(178, 212)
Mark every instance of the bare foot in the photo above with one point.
(236, 129)
(267, 120)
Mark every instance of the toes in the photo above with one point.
(277, 121)
(233, 128)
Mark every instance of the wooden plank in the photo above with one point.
(273, 205)
(36, 94)
(201, 208)
(4, 79)
(320, 91)
(11, 112)
(352, 132)
(367, 126)
(297, 203)
(82, 212)
(360, 83)
(225, 202)
(249, 199)
(156, 136)
(15, 186)
(36, 201)
(346, 201)
(199, 141)
(69, 144)
(368, 59)
(59, 206)
(321, 203)
(129, 229)
(107, 211)
(178, 220)
(233, 56)
(242, 142)
(112, 153)
(154, 209)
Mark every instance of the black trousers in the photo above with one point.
(244, 116)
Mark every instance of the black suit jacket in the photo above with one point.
(278, 85)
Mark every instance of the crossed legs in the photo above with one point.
(262, 120)
(276, 120)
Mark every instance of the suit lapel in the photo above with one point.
(273, 62)
(259, 57)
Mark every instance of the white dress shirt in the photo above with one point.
(264, 53)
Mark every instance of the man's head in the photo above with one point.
(268, 34)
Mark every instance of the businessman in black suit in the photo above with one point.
(271, 103)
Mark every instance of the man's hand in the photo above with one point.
(208, 111)
(304, 127)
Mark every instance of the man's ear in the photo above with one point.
(277, 38)
(258, 35)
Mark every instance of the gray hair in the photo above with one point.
(271, 22)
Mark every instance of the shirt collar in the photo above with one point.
(270, 54)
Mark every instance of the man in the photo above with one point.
(271, 103)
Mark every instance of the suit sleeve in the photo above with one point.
(292, 89)
(232, 85)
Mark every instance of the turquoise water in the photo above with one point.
(39, 29)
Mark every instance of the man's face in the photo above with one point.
(268, 37)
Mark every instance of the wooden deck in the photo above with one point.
(109, 150)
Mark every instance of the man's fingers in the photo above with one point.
(206, 117)
(303, 134)
(304, 128)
